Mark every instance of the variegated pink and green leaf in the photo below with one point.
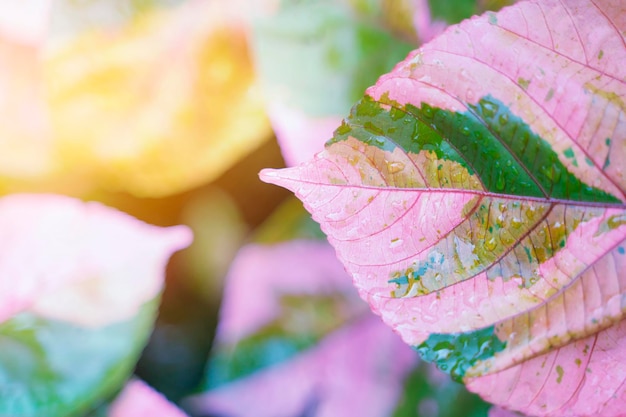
(476, 195)
(79, 290)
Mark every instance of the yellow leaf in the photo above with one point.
(162, 106)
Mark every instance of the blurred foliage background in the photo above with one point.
(162, 109)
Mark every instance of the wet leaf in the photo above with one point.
(476, 195)
(79, 290)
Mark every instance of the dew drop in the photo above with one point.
(379, 140)
(506, 238)
(394, 167)
(516, 223)
(488, 109)
(396, 243)
(491, 244)
(503, 119)
(353, 159)
(333, 216)
(465, 130)
(469, 95)
(428, 111)
(500, 183)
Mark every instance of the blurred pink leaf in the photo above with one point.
(24, 125)
(25, 21)
(425, 26)
(300, 136)
(295, 338)
(476, 195)
(79, 290)
(139, 400)
(79, 262)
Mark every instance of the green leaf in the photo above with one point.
(452, 11)
(430, 392)
(321, 56)
(303, 322)
(56, 369)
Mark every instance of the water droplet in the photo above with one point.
(396, 113)
(500, 183)
(488, 109)
(506, 238)
(380, 140)
(469, 95)
(353, 159)
(516, 223)
(333, 216)
(394, 167)
(465, 130)
(396, 243)
(491, 244)
(539, 73)
(503, 119)
(427, 111)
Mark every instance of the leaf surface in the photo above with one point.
(476, 194)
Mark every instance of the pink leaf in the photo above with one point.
(300, 136)
(139, 400)
(346, 372)
(25, 21)
(79, 262)
(476, 195)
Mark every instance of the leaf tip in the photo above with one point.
(281, 177)
(268, 175)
